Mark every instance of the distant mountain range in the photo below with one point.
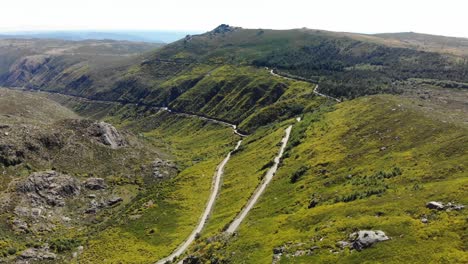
(155, 36)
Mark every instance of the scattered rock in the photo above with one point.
(314, 248)
(37, 254)
(36, 212)
(435, 205)
(314, 202)
(95, 184)
(278, 250)
(366, 238)
(292, 250)
(300, 253)
(135, 217)
(457, 207)
(91, 210)
(379, 214)
(21, 211)
(20, 226)
(343, 244)
(424, 220)
(114, 201)
(191, 260)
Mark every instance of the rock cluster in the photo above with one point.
(441, 206)
(96, 206)
(37, 254)
(290, 249)
(49, 187)
(160, 168)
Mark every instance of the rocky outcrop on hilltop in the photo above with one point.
(223, 29)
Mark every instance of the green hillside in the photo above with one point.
(343, 64)
(109, 149)
(371, 163)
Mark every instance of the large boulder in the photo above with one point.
(435, 205)
(107, 134)
(366, 238)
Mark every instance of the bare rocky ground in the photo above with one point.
(62, 175)
(447, 105)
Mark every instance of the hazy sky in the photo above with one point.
(444, 17)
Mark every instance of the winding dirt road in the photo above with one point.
(209, 207)
(234, 127)
(272, 72)
(268, 177)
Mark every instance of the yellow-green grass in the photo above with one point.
(177, 204)
(343, 151)
(242, 175)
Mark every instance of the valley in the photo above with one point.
(234, 146)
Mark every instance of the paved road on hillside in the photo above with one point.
(315, 89)
(209, 207)
(268, 177)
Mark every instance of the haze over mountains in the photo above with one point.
(235, 146)
(129, 35)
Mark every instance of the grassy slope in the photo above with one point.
(243, 174)
(431, 155)
(25, 107)
(198, 147)
(442, 44)
(166, 210)
(196, 67)
(246, 94)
